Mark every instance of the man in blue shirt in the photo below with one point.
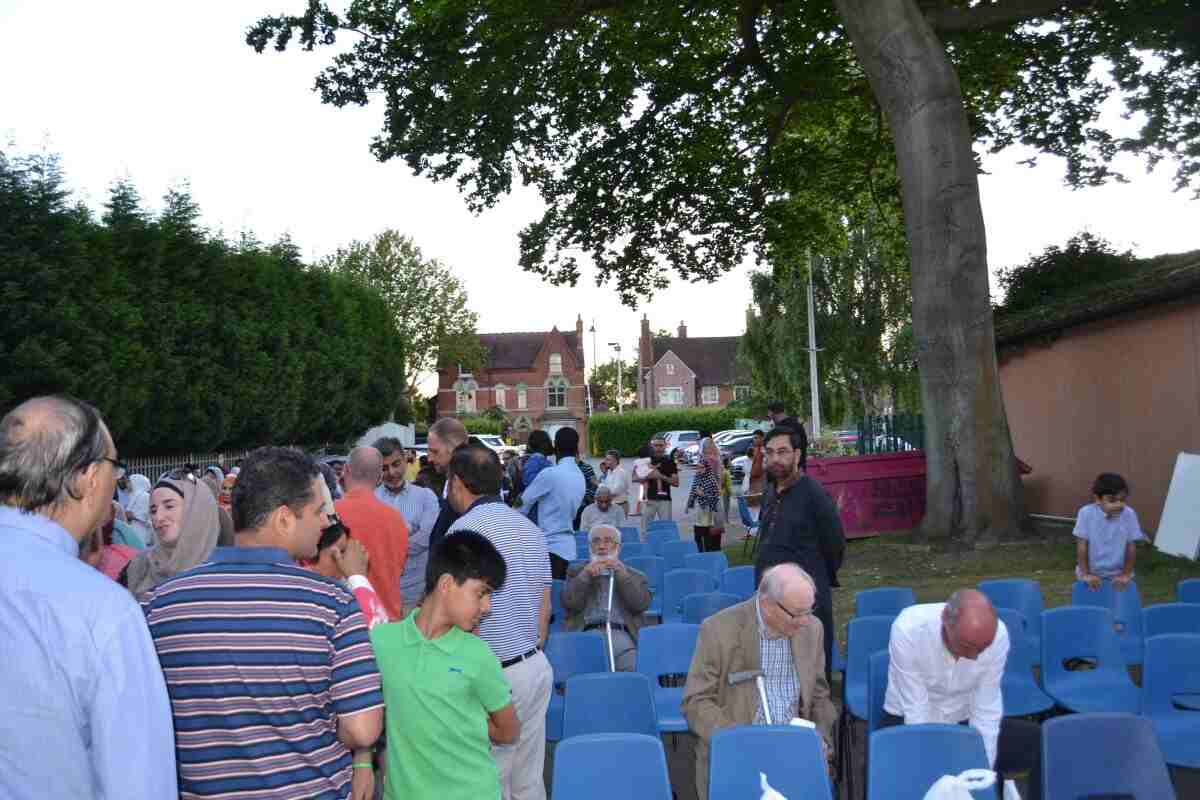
(82, 696)
(558, 493)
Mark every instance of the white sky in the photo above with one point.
(165, 92)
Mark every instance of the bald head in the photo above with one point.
(363, 467)
(969, 623)
(786, 597)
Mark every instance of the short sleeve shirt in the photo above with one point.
(439, 694)
(1107, 538)
(656, 489)
(261, 657)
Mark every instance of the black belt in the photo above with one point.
(616, 627)
(518, 659)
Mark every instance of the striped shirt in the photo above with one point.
(420, 508)
(261, 657)
(511, 628)
(779, 675)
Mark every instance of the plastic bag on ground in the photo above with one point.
(767, 792)
(959, 787)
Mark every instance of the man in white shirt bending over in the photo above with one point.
(946, 663)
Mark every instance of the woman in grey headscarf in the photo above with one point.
(186, 523)
(214, 485)
(138, 510)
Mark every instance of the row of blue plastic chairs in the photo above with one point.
(1084, 755)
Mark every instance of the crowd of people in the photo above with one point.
(352, 633)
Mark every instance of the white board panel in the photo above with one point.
(1179, 530)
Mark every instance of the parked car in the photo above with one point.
(677, 439)
(491, 442)
(737, 447)
(846, 437)
(729, 435)
(739, 469)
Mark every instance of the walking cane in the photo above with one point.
(756, 675)
(612, 660)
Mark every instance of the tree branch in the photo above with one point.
(954, 19)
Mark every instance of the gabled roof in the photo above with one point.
(712, 358)
(1163, 279)
(520, 350)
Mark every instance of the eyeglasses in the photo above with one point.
(794, 617)
(119, 467)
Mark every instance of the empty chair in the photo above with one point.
(674, 553)
(583, 547)
(658, 539)
(1103, 755)
(907, 759)
(751, 525)
(1188, 591)
(1025, 596)
(1170, 618)
(604, 766)
(739, 581)
(664, 655)
(1020, 692)
(790, 757)
(609, 702)
(558, 613)
(570, 654)
(1072, 633)
(1126, 608)
(699, 607)
(716, 563)
(886, 600)
(864, 636)
(678, 584)
(877, 681)
(654, 569)
(635, 550)
(1172, 667)
(630, 534)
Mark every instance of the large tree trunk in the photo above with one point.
(973, 488)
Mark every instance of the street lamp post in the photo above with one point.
(620, 388)
(592, 380)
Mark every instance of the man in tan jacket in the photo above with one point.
(773, 634)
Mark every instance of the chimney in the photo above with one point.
(579, 328)
(682, 330)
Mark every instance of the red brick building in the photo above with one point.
(536, 377)
(686, 372)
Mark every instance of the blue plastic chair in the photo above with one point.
(635, 550)
(1172, 667)
(1126, 608)
(603, 766)
(877, 682)
(654, 569)
(884, 601)
(609, 702)
(678, 584)
(716, 563)
(864, 636)
(630, 534)
(739, 581)
(700, 606)
(1188, 591)
(570, 654)
(675, 552)
(559, 622)
(583, 547)
(790, 757)
(750, 523)
(660, 539)
(664, 656)
(1025, 596)
(1170, 618)
(663, 526)
(1020, 692)
(1103, 755)
(907, 759)
(1085, 632)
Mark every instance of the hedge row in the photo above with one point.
(628, 432)
(481, 424)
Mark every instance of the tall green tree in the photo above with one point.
(677, 136)
(1084, 263)
(433, 322)
(604, 383)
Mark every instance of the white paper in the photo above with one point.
(1179, 529)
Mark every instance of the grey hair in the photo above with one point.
(603, 527)
(449, 430)
(387, 445)
(772, 584)
(41, 459)
(603, 490)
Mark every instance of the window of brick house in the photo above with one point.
(500, 395)
(709, 395)
(670, 368)
(522, 396)
(555, 363)
(556, 393)
(670, 396)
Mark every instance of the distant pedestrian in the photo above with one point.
(616, 478)
(84, 707)
(658, 480)
(557, 493)
(704, 500)
(444, 435)
(420, 508)
(379, 526)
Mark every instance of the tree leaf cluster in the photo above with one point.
(1084, 263)
(184, 341)
(604, 383)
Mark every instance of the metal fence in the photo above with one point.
(154, 466)
(891, 433)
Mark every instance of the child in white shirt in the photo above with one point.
(1105, 532)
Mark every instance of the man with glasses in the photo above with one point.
(586, 593)
(82, 696)
(769, 639)
(663, 474)
(800, 524)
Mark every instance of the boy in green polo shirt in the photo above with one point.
(445, 693)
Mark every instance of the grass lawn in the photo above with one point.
(892, 560)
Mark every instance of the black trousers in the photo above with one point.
(1018, 749)
(558, 567)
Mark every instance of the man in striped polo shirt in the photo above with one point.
(520, 613)
(268, 665)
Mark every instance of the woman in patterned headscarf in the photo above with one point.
(705, 497)
(186, 524)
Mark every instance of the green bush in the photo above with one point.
(630, 431)
(482, 424)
